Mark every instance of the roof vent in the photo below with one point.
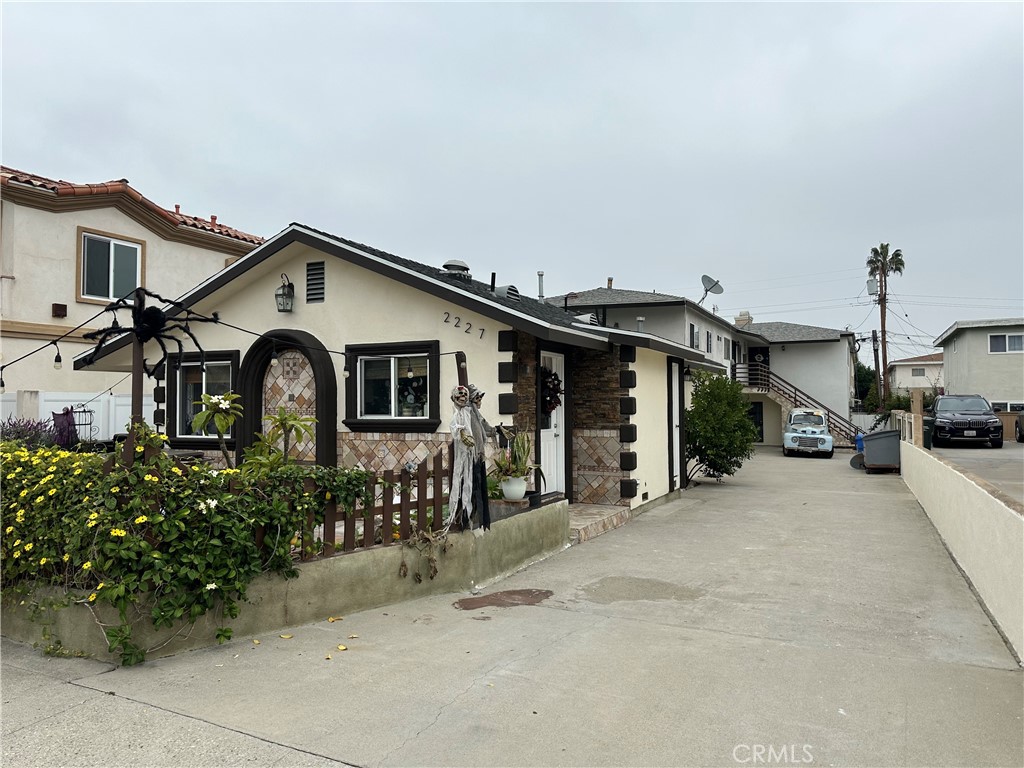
(509, 292)
(589, 319)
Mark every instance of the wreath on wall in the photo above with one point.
(550, 391)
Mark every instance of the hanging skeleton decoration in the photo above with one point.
(460, 500)
(482, 431)
(149, 324)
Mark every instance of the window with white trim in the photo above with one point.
(917, 371)
(999, 343)
(392, 387)
(110, 267)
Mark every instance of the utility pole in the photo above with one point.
(878, 376)
(884, 391)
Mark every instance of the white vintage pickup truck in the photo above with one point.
(807, 432)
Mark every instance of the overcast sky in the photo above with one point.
(768, 145)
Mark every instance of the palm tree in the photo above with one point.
(881, 264)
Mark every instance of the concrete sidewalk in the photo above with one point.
(800, 612)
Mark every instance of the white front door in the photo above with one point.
(552, 433)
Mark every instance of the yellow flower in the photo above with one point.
(10, 529)
(77, 471)
(20, 517)
(94, 515)
(100, 586)
(177, 471)
(91, 523)
(17, 553)
(92, 597)
(10, 476)
(85, 499)
(141, 519)
(42, 560)
(115, 489)
(52, 469)
(51, 492)
(164, 437)
(17, 542)
(140, 448)
(38, 499)
(28, 547)
(86, 565)
(66, 557)
(328, 496)
(118, 532)
(23, 494)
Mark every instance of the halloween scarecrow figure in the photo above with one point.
(481, 432)
(460, 500)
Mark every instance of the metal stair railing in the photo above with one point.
(759, 376)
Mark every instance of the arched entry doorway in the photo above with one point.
(301, 380)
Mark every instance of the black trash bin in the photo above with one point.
(926, 431)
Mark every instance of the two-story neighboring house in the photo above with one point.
(985, 357)
(781, 365)
(921, 372)
(66, 251)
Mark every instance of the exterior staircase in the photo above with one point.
(758, 377)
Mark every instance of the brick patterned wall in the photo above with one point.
(526, 387)
(380, 451)
(596, 390)
(596, 467)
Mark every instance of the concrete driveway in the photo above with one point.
(801, 612)
(1003, 467)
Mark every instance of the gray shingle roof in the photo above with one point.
(541, 310)
(602, 297)
(782, 333)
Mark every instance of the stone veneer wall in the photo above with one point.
(596, 419)
(526, 387)
(380, 451)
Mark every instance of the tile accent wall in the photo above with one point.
(596, 470)
(380, 451)
(293, 386)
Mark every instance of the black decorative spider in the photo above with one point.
(150, 324)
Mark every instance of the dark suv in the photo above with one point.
(965, 417)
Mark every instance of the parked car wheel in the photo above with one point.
(830, 454)
(997, 443)
(1018, 431)
(937, 442)
(786, 452)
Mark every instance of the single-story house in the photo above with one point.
(370, 344)
(921, 372)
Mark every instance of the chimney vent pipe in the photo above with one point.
(609, 282)
(540, 285)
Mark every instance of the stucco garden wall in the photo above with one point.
(982, 529)
(335, 586)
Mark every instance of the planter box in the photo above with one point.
(334, 586)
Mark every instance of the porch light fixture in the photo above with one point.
(687, 373)
(285, 294)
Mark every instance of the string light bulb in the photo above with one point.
(57, 361)
(275, 361)
(408, 373)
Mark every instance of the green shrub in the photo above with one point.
(158, 537)
(719, 431)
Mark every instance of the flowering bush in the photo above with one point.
(155, 538)
(31, 433)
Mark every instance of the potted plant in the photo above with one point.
(513, 463)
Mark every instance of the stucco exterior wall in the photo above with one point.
(38, 257)
(774, 416)
(673, 323)
(900, 376)
(821, 369)
(983, 532)
(360, 307)
(651, 420)
(969, 367)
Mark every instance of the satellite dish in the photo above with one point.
(710, 286)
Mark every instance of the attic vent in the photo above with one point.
(509, 292)
(315, 282)
(456, 268)
(589, 319)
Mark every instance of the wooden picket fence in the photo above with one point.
(396, 502)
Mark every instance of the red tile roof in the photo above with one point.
(121, 186)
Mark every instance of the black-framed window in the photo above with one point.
(393, 387)
(187, 382)
(110, 267)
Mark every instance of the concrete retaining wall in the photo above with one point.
(983, 530)
(332, 587)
